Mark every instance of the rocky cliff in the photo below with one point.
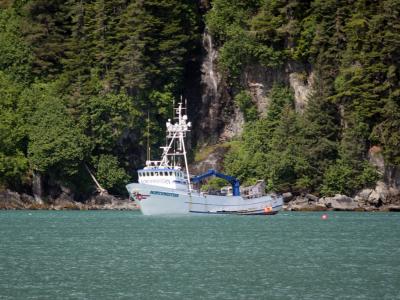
(220, 120)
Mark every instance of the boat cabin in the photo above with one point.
(163, 177)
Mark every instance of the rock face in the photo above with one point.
(217, 117)
(390, 174)
(213, 158)
(220, 114)
(13, 201)
(312, 203)
(305, 203)
(259, 81)
(339, 202)
(37, 187)
(109, 202)
(382, 197)
(301, 84)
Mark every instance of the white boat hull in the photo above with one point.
(155, 200)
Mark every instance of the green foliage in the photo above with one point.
(45, 27)
(319, 135)
(110, 175)
(78, 79)
(342, 178)
(15, 55)
(13, 162)
(387, 133)
(243, 100)
(280, 96)
(56, 143)
(270, 147)
(105, 117)
(257, 31)
(214, 184)
(354, 51)
(338, 179)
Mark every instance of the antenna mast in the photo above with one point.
(148, 136)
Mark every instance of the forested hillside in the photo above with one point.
(350, 50)
(77, 82)
(79, 78)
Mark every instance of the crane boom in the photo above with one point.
(232, 180)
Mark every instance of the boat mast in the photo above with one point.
(175, 143)
(182, 120)
(148, 136)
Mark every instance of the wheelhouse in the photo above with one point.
(164, 177)
(145, 173)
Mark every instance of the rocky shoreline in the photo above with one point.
(10, 200)
(382, 198)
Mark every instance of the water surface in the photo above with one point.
(124, 255)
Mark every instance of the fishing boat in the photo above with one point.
(166, 187)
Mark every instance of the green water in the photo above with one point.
(124, 255)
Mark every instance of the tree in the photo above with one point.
(110, 175)
(56, 144)
(15, 55)
(13, 162)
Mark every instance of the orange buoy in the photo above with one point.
(267, 209)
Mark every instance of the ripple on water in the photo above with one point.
(124, 255)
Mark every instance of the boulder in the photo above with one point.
(287, 197)
(339, 202)
(393, 207)
(374, 198)
(10, 200)
(380, 195)
(364, 194)
(304, 204)
(121, 204)
(311, 197)
(65, 202)
(102, 199)
(28, 199)
(109, 202)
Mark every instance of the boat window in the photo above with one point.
(155, 173)
(170, 173)
(152, 174)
